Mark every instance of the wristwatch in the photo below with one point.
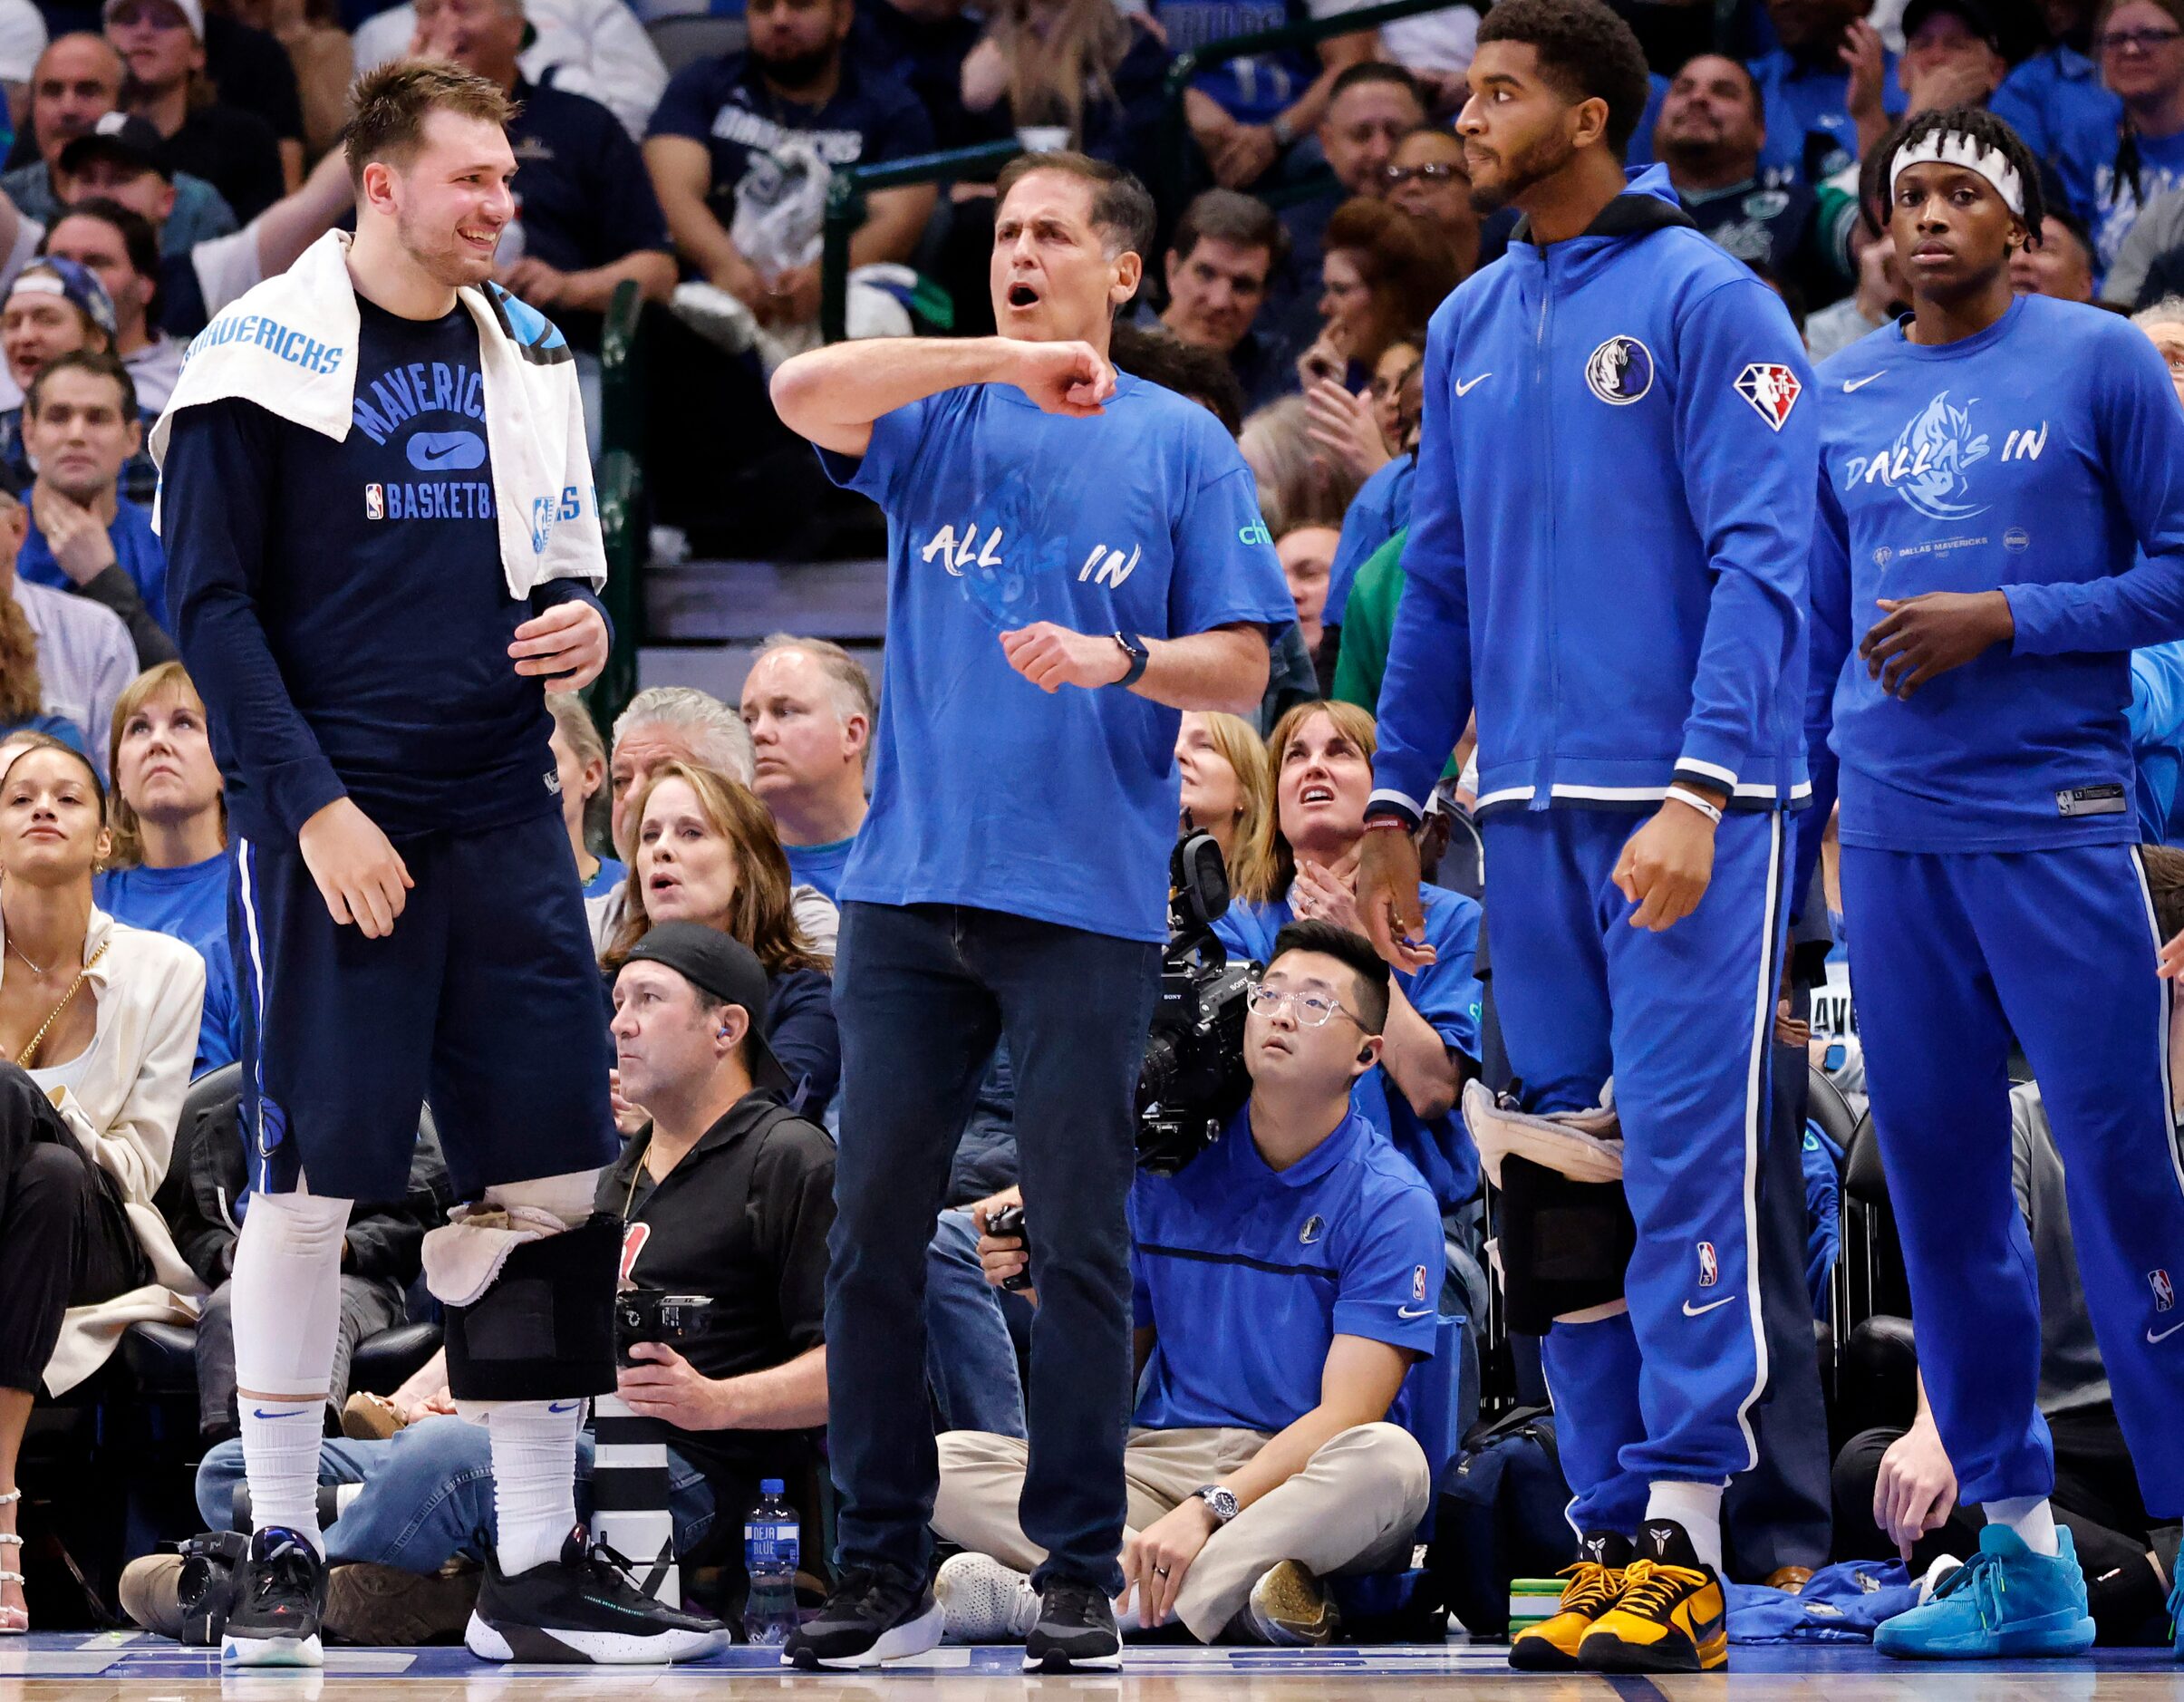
(1134, 648)
(1219, 1502)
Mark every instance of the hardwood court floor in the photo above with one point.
(124, 1667)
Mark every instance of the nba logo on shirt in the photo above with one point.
(375, 502)
(1417, 1283)
(1771, 389)
(1709, 1269)
(2165, 1292)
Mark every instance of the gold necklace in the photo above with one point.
(24, 1057)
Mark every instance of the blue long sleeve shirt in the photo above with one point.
(1608, 541)
(342, 607)
(2038, 457)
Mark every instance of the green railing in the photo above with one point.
(621, 489)
(845, 211)
(1176, 153)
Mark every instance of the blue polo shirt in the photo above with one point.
(988, 791)
(725, 103)
(820, 865)
(1247, 1275)
(136, 549)
(1445, 992)
(190, 904)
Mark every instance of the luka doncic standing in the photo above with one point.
(1607, 561)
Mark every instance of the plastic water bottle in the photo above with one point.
(773, 1544)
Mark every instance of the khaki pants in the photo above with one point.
(1353, 1508)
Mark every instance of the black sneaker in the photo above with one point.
(280, 1597)
(1075, 1629)
(875, 1614)
(583, 1607)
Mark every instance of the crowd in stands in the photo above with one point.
(166, 157)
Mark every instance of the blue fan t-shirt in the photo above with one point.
(188, 904)
(1247, 1273)
(820, 865)
(1445, 992)
(988, 791)
(136, 549)
(2085, 156)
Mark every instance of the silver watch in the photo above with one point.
(1219, 1502)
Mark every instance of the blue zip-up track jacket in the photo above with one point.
(1609, 533)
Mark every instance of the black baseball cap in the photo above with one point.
(721, 967)
(123, 137)
(1977, 18)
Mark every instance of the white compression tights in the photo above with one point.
(287, 1308)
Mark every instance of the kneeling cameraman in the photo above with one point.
(1285, 1281)
(727, 1194)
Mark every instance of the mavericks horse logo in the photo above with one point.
(1620, 371)
(1927, 464)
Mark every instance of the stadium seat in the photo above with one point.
(684, 39)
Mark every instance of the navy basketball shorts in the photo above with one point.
(485, 1001)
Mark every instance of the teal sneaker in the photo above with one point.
(2006, 1601)
(2176, 1615)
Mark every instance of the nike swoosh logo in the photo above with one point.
(1700, 1312)
(1463, 388)
(432, 455)
(1849, 384)
(566, 1405)
(259, 1412)
(2165, 1335)
(1415, 1311)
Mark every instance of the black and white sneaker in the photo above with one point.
(875, 1614)
(583, 1607)
(280, 1599)
(1075, 1631)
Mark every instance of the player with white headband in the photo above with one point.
(2001, 522)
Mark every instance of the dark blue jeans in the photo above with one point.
(921, 992)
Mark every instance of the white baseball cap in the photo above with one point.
(192, 11)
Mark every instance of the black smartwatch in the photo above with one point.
(1134, 648)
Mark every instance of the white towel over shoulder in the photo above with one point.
(290, 346)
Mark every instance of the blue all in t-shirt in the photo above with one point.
(136, 549)
(344, 608)
(1445, 992)
(1248, 1273)
(986, 791)
(188, 904)
(820, 865)
(2038, 456)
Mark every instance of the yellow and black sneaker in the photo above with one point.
(1672, 1615)
(1551, 1646)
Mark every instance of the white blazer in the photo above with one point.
(151, 993)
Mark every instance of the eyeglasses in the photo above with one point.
(1310, 1010)
(2136, 41)
(1437, 171)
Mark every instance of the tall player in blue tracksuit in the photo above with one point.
(2001, 522)
(1607, 561)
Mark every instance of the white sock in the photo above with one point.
(280, 1456)
(2031, 1518)
(286, 1311)
(534, 1480)
(1697, 1507)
